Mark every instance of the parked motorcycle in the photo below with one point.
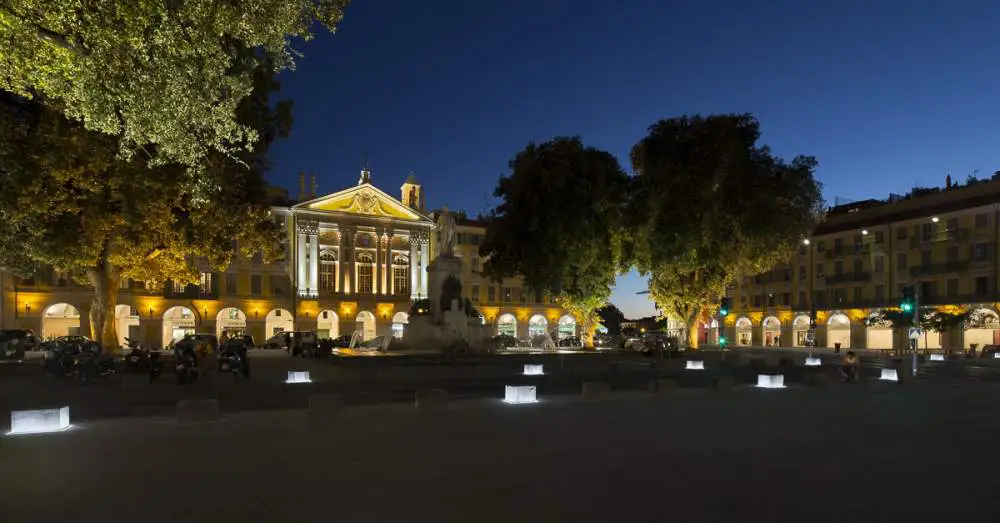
(143, 361)
(233, 358)
(90, 365)
(186, 365)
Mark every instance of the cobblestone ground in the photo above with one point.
(871, 452)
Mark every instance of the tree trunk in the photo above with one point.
(105, 279)
(691, 324)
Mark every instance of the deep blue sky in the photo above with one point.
(886, 96)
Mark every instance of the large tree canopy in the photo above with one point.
(559, 223)
(165, 76)
(709, 203)
(67, 199)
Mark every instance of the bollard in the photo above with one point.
(721, 383)
(39, 421)
(430, 398)
(595, 389)
(324, 410)
(197, 411)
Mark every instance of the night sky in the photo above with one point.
(886, 98)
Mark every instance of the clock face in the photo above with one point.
(366, 203)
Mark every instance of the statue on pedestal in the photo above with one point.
(446, 228)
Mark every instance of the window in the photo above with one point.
(756, 300)
(953, 254)
(474, 263)
(366, 267)
(980, 252)
(982, 220)
(857, 294)
(400, 274)
(206, 283)
(839, 296)
(857, 266)
(258, 259)
(901, 233)
(982, 285)
(952, 224)
(925, 257)
(786, 298)
(522, 296)
(819, 270)
(820, 246)
(802, 272)
(178, 287)
(901, 261)
(787, 275)
(491, 294)
(475, 291)
(819, 299)
(879, 237)
(838, 245)
(328, 268)
(255, 284)
(953, 287)
(880, 292)
(232, 285)
(838, 268)
(506, 294)
(802, 299)
(928, 290)
(278, 284)
(879, 264)
(770, 300)
(925, 231)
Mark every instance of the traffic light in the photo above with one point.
(908, 301)
(722, 341)
(724, 307)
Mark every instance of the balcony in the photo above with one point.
(848, 250)
(852, 277)
(308, 294)
(939, 268)
(958, 235)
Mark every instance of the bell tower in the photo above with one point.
(413, 194)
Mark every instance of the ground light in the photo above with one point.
(771, 381)
(298, 376)
(694, 365)
(889, 375)
(813, 362)
(996, 355)
(937, 357)
(533, 370)
(39, 421)
(515, 394)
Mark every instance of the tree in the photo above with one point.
(167, 77)
(709, 203)
(612, 318)
(67, 199)
(559, 224)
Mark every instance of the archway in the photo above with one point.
(800, 330)
(230, 322)
(878, 334)
(771, 330)
(126, 324)
(327, 325)
(365, 325)
(567, 327)
(986, 330)
(178, 322)
(61, 319)
(712, 335)
(537, 326)
(399, 322)
(838, 330)
(277, 321)
(507, 325)
(744, 331)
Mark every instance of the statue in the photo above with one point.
(446, 227)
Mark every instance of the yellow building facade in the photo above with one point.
(355, 260)
(859, 260)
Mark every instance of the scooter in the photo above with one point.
(142, 361)
(186, 366)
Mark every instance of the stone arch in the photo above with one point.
(507, 325)
(537, 326)
(60, 319)
(985, 329)
(230, 321)
(277, 321)
(878, 334)
(838, 330)
(399, 323)
(327, 324)
(365, 325)
(800, 330)
(744, 331)
(567, 327)
(126, 323)
(178, 321)
(771, 331)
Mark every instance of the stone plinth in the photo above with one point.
(437, 272)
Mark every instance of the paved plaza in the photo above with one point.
(865, 452)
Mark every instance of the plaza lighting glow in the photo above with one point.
(937, 357)
(694, 365)
(813, 362)
(298, 376)
(39, 421)
(889, 375)
(771, 381)
(515, 394)
(533, 370)
(996, 355)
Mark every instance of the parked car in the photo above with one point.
(281, 339)
(15, 342)
(202, 343)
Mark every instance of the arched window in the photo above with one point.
(328, 270)
(365, 264)
(400, 274)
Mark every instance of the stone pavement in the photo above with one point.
(871, 452)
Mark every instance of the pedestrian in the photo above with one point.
(288, 342)
(849, 370)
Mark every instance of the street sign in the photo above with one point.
(915, 333)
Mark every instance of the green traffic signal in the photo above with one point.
(722, 341)
(907, 307)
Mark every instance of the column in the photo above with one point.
(314, 262)
(351, 276)
(377, 284)
(388, 283)
(341, 259)
(413, 267)
(301, 278)
(424, 260)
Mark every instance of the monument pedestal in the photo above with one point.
(437, 272)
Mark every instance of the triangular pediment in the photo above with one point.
(364, 199)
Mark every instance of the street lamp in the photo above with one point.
(805, 241)
(935, 219)
(864, 232)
